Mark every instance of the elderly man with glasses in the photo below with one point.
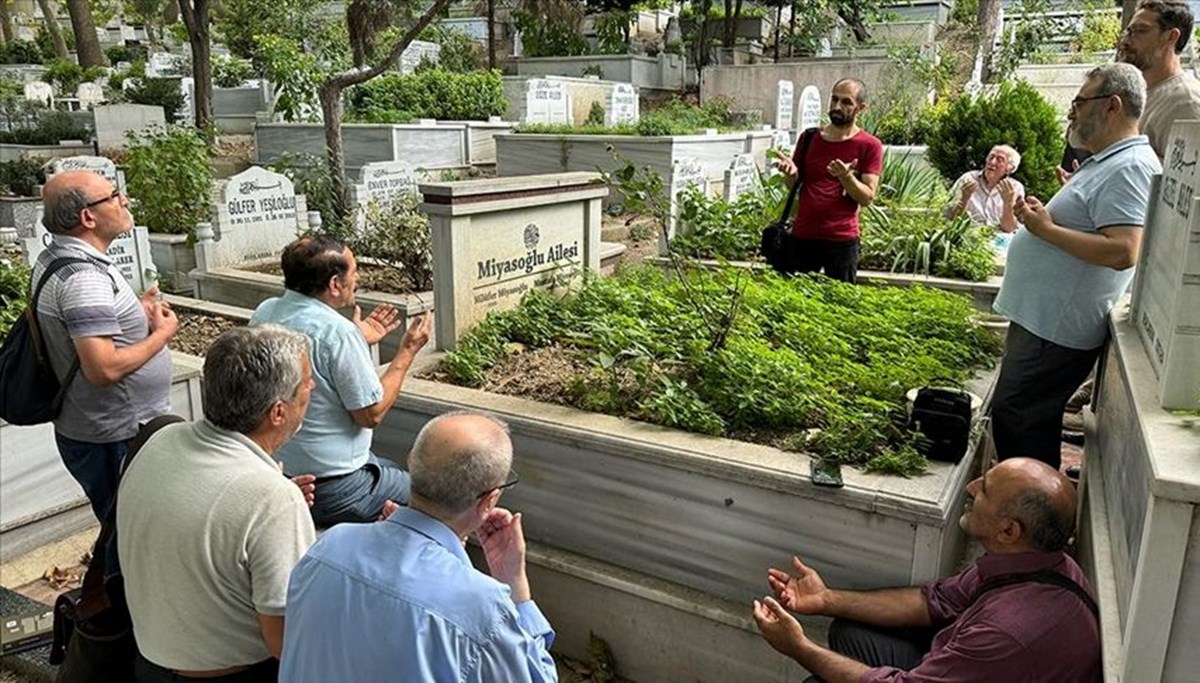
(96, 327)
(399, 600)
(1069, 266)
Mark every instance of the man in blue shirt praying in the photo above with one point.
(399, 600)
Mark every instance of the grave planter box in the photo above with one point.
(19, 213)
(14, 152)
(235, 109)
(175, 258)
(664, 72)
(920, 10)
(434, 146)
(42, 503)
(481, 139)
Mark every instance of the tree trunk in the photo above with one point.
(729, 24)
(7, 31)
(330, 94)
(491, 29)
(792, 32)
(988, 19)
(854, 20)
(87, 45)
(50, 17)
(195, 18)
(151, 37)
(778, 18)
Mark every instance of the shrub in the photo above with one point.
(295, 73)
(432, 94)
(231, 72)
(23, 52)
(310, 175)
(550, 36)
(925, 243)
(169, 172)
(128, 53)
(20, 177)
(459, 54)
(14, 292)
(162, 92)
(31, 124)
(68, 75)
(595, 115)
(1016, 115)
(396, 232)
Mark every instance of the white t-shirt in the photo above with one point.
(1174, 99)
(208, 530)
(984, 206)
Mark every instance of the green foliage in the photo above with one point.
(310, 175)
(169, 173)
(709, 227)
(161, 92)
(612, 29)
(675, 117)
(20, 177)
(68, 75)
(46, 44)
(803, 353)
(595, 115)
(433, 94)
(1016, 114)
(242, 24)
(965, 12)
(231, 72)
(459, 54)
(905, 183)
(127, 53)
(14, 292)
(29, 123)
(923, 242)
(1026, 39)
(295, 73)
(1100, 31)
(396, 232)
(550, 36)
(23, 52)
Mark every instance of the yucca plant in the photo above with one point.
(904, 183)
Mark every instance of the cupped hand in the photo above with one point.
(778, 628)
(378, 323)
(417, 335)
(805, 592)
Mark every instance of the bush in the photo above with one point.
(14, 292)
(169, 173)
(925, 243)
(549, 36)
(396, 232)
(162, 92)
(20, 177)
(459, 54)
(432, 94)
(231, 72)
(127, 53)
(22, 52)
(1015, 115)
(68, 75)
(31, 124)
(310, 175)
(595, 115)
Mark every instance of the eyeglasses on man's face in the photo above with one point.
(1133, 30)
(1080, 100)
(115, 194)
(509, 483)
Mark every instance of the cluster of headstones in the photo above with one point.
(549, 101)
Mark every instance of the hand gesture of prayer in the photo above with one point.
(840, 169)
(968, 189)
(804, 593)
(378, 323)
(1033, 214)
(503, 543)
(417, 335)
(1008, 192)
(778, 628)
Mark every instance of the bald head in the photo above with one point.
(1040, 498)
(67, 194)
(458, 456)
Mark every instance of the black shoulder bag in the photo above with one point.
(771, 242)
(1046, 576)
(943, 418)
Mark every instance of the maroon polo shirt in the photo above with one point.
(1027, 632)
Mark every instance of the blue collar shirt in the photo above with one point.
(399, 601)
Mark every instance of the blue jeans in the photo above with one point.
(97, 468)
(359, 496)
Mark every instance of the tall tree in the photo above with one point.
(87, 45)
(334, 85)
(733, 12)
(988, 19)
(7, 31)
(50, 21)
(195, 18)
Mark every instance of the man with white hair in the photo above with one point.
(400, 601)
(1069, 266)
(977, 193)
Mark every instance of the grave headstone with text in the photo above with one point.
(187, 87)
(101, 165)
(785, 105)
(1166, 293)
(622, 105)
(810, 107)
(89, 95)
(685, 173)
(128, 34)
(258, 214)
(161, 64)
(383, 181)
(547, 101)
(742, 177)
(40, 91)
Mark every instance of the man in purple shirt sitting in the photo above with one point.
(1023, 612)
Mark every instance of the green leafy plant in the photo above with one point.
(904, 183)
(1015, 114)
(396, 232)
(1022, 41)
(612, 33)
(31, 123)
(1101, 29)
(231, 72)
(923, 242)
(310, 175)
(459, 53)
(595, 115)
(295, 73)
(23, 52)
(20, 177)
(127, 53)
(432, 94)
(68, 75)
(547, 35)
(159, 92)
(169, 172)
(14, 292)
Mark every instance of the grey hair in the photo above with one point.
(1124, 80)
(1047, 529)
(453, 481)
(1013, 156)
(62, 210)
(248, 369)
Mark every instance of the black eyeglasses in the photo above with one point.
(1080, 100)
(512, 481)
(109, 198)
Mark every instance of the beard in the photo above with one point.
(837, 118)
(1129, 57)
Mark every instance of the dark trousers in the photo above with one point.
(266, 671)
(873, 646)
(839, 260)
(359, 496)
(97, 468)
(1037, 378)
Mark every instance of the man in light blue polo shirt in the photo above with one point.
(1070, 264)
(351, 398)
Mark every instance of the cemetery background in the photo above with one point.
(916, 61)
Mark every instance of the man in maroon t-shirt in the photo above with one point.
(840, 173)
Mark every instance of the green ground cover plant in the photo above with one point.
(428, 94)
(675, 117)
(925, 243)
(805, 363)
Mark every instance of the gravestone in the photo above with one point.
(810, 107)
(781, 139)
(547, 101)
(258, 214)
(417, 52)
(1166, 293)
(187, 86)
(101, 165)
(89, 95)
(622, 105)
(161, 64)
(383, 181)
(130, 252)
(741, 177)
(113, 121)
(685, 173)
(128, 34)
(25, 33)
(40, 91)
(785, 105)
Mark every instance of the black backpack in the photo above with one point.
(30, 392)
(943, 418)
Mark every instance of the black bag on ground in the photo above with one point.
(30, 392)
(943, 418)
(770, 244)
(93, 632)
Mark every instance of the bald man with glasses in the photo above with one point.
(107, 345)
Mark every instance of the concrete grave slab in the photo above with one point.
(113, 121)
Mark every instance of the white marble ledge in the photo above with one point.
(526, 183)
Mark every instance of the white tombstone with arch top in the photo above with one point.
(785, 105)
(810, 107)
(257, 215)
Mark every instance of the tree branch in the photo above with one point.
(352, 77)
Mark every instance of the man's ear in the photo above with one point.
(1011, 532)
(276, 413)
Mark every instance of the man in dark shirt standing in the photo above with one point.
(1022, 612)
(841, 170)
